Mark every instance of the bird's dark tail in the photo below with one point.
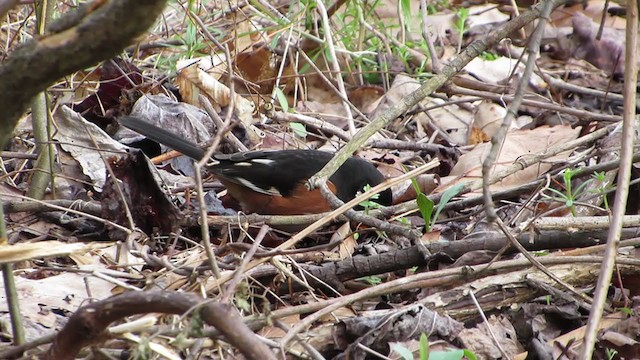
(162, 136)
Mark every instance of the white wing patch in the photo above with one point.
(263, 161)
(271, 191)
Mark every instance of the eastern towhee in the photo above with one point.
(273, 182)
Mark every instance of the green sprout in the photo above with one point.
(570, 195)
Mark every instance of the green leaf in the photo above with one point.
(424, 347)
(196, 324)
(568, 175)
(242, 304)
(299, 129)
(489, 56)
(469, 354)
(425, 205)
(416, 187)
(405, 6)
(447, 355)
(402, 351)
(560, 194)
(282, 99)
(626, 311)
(327, 54)
(446, 197)
(373, 280)
(463, 14)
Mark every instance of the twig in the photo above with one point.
(435, 63)
(333, 62)
(583, 114)
(311, 121)
(620, 201)
(230, 290)
(498, 139)
(487, 324)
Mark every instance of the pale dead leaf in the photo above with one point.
(44, 249)
(348, 241)
(486, 14)
(363, 96)
(66, 292)
(499, 71)
(338, 314)
(594, 11)
(197, 81)
(430, 237)
(273, 332)
(389, 164)
(215, 66)
(452, 119)
(245, 33)
(481, 342)
(518, 144)
(573, 340)
(486, 122)
(75, 135)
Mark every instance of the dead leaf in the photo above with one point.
(518, 143)
(76, 135)
(486, 122)
(193, 80)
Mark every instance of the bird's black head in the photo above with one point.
(354, 175)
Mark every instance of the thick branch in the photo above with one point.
(86, 324)
(80, 39)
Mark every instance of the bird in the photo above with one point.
(273, 182)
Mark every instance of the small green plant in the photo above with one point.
(403, 351)
(461, 24)
(299, 129)
(489, 56)
(461, 20)
(452, 355)
(282, 99)
(242, 297)
(405, 10)
(604, 188)
(611, 353)
(193, 41)
(372, 280)
(424, 347)
(426, 205)
(626, 311)
(426, 354)
(569, 196)
(371, 202)
(196, 324)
